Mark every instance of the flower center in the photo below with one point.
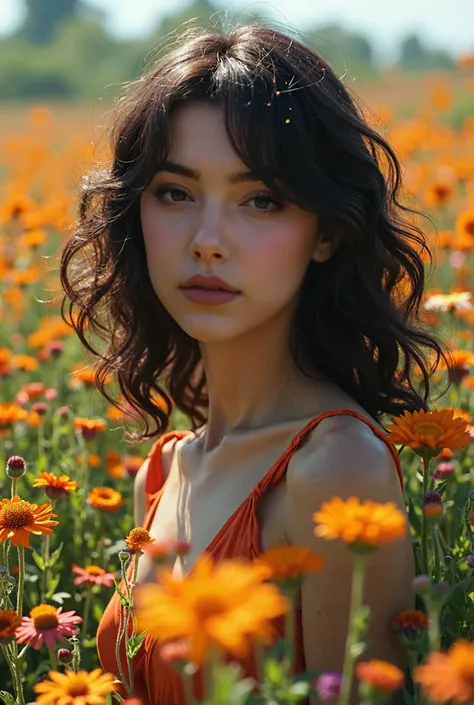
(105, 493)
(94, 570)
(16, 515)
(469, 227)
(77, 686)
(44, 617)
(428, 429)
(210, 605)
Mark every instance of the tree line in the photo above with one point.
(63, 50)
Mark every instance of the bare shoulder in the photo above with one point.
(139, 486)
(343, 456)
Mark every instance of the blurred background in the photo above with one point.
(81, 51)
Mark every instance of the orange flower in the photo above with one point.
(26, 363)
(290, 562)
(225, 604)
(356, 522)
(10, 413)
(465, 224)
(138, 538)
(380, 675)
(89, 428)
(34, 390)
(19, 519)
(105, 498)
(56, 486)
(447, 677)
(428, 432)
(9, 622)
(79, 688)
(411, 619)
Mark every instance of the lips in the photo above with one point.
(208, 283)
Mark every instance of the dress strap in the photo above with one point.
(154, 479)
(278, 470)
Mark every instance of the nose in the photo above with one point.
(207, 244)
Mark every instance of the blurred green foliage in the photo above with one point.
(63, 50)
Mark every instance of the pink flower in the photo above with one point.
(47, 625)
(93, 575)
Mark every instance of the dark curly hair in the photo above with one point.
(357, 319)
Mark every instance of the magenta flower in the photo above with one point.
(47, 625)
(93, 575)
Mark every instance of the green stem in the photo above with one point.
(424, 520)
(290, 627)
(3, 460)
(53, 659)
(44, 576)
(437, 555)
(76, 655)
(358, 574)
(14, 485)
(11, 665)
(412, 664)
(123, 626)
(127, 620)
(21, 579)
(187, 680)
(434, 636)
(87, 609)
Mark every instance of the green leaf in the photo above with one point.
(408, 698)
(7, 698)
(53, 584)
(124, 600)
(414, 516)
(134, 644)
(38, 559)
(274, 671)
(59, 597)
(54, 556)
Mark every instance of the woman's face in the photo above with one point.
(214, 225)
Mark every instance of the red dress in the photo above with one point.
(156, 683)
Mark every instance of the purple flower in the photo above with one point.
(328, 686)
(470, 560)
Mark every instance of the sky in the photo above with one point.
(446, 24)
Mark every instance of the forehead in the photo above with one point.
(197, 132)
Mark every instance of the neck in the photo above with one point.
(252, 382)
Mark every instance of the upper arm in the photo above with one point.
(347, 461)
(139, 496)
(139, 486)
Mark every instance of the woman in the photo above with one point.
(256, 268)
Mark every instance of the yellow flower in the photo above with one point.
(225, 604)
(19, 519)
(357, 522)
(79, 688)
(105, 498)
(290, 562)
(428, 432)
(138, 538)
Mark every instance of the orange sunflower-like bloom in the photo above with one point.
(9, 622)
(428, 432)
(138, 538)
(81, 688)
(355, 522)
(89, 428)
(380, 675)
(290, 563)
(105, 498)
(56, 486)
(447, 677)
(225, 604)
(19, 519)
(11, 413)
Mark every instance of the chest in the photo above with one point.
(201, 512)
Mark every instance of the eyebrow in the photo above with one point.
(237, 178)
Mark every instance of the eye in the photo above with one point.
(266, 198)
(159, 193)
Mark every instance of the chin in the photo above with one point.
(210, 328)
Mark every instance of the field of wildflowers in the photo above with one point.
(67, 537)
